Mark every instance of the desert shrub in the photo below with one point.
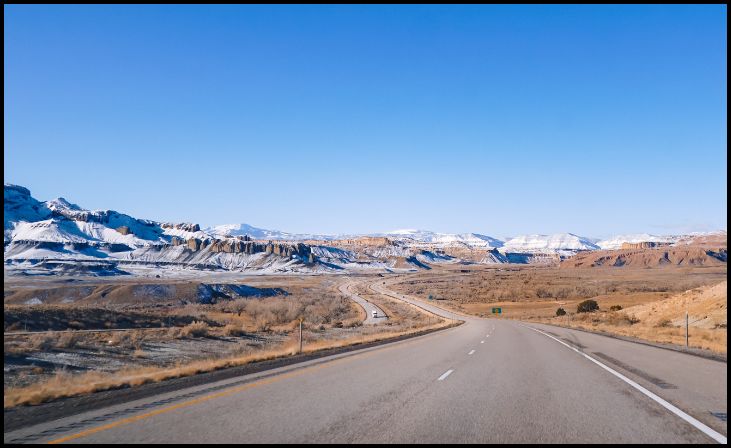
(354, 323)
(127, 339)
(40, 342)
(118, 338)
(620, 320)
(67, 339)
(664, 323)
(261, 323)
(174, 333)
(135, 338)
(560, 312)
(587, 306)
(233, 330)
(237, 306)
(615, 307)
(562, 293)
(197, 329)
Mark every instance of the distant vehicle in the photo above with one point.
(375, 313)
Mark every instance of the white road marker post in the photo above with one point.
(300, 335)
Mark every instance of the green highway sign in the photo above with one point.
(497, 311)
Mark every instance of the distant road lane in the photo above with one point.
(346, 288)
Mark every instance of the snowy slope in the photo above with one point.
(20, 206)
(59, 233)
(229, 230)
(40, 235)
(426, 236)
(419, 236)
(616, 241)
(548, 243)
(58, 220)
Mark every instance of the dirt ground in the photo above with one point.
(107, 340)
(536, 293)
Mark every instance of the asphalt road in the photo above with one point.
(346, 288)
(487, 381)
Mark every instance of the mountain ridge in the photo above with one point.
(37, 232)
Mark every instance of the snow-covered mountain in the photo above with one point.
(417, 236)
(426, 236)
(548, 243)
(616, 241)
(59, 221)
(229, 230)
(58, 236)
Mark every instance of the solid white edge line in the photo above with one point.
(718, 437)
(445, 374)
(471, 352)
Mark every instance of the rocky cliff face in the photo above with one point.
(246, 246)
(60, 231)
(186, 226)
(643, 245)
(650, 257)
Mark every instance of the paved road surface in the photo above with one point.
(346, 288)
(486, 381)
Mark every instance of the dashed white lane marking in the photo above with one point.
(445, 374)
(471, 352)
(720, 438)
(482, 342)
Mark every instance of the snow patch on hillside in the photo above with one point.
(549, 243)
(616, 241)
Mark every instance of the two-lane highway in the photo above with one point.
(486, 381)
(374, 314)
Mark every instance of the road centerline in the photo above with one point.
(445, 375)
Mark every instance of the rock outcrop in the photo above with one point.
(643, 245)
(194, 244)
(246, 246)
(188, 227)
(649, 258)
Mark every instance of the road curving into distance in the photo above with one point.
(380, 315)
(487, 381)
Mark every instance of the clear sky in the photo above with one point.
(349, 119)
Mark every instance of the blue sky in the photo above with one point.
(499, 120)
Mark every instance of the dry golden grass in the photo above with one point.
(197, 330)
(515, 284)
(714, 340)
(664, 320)
(706, 307)
(233, 330)
(317, 300)
(653, 301)
(64, 384)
